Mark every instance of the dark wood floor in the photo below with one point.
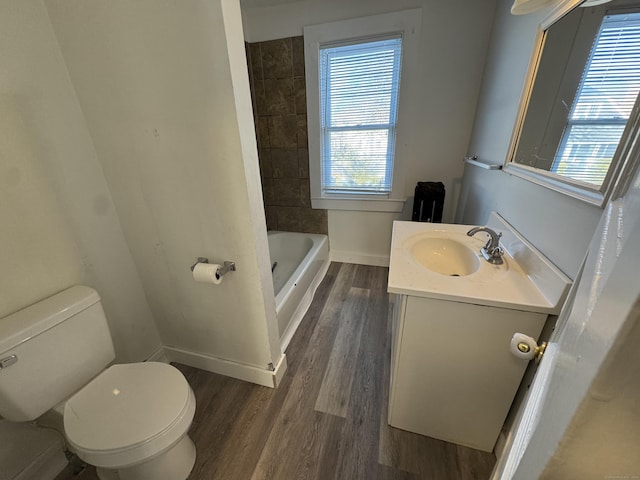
(327, 419)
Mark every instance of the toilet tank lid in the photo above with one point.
(43, 315)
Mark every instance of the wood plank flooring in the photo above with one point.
(327, 419)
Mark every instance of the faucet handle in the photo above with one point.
(497, 252)
(493, 243)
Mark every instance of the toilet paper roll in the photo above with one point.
(518, 343)
(207, 273)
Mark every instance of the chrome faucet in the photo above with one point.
(492, 251)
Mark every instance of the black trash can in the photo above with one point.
(428, 202)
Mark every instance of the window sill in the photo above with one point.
(359, 204)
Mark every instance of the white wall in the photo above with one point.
(454, 39)
(58, 222)
(559, 226)
(164, 89)
(361, 237)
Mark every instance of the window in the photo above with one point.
(603, 104)
(355, 109)
(359, 86)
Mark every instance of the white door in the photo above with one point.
(592, 329)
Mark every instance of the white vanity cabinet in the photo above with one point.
(452, 375)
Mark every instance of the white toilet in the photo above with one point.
(130, 421)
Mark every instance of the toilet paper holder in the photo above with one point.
(224, 268)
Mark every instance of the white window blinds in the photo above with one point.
(359, 86)
(603, 104)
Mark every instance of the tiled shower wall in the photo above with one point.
(276, 76)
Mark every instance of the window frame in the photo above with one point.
(328, 128)
(404, 23)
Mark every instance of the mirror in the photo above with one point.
(578, 109)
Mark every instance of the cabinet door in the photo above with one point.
(455, 378)
(399, 303)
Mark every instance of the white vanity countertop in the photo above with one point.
(525, 281)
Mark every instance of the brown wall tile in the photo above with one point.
(286, 192)
(284, 162)
(297, 47)
(276, 58)
(271, 215)
(259, 96)
(290, 219)
(300, 94)
(278, 97)
(303, 162)
(247, 53)
(256, 61)
(264, 155)
(315, 221)
(268, 191)
(301, 134)
(305, 194)
(263, 132)
(283, 131)
(276, 77)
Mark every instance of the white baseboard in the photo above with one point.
(248, 373)
(359, 258)
(280, 370)
(158, 356)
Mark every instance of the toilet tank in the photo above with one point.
(50, 350)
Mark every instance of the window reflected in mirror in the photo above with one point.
(586, 85)
(603, 103)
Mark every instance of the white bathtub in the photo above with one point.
(301, 260)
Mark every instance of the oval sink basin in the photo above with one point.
(445, 256)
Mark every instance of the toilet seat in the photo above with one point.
(129, 414)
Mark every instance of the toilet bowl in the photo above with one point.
(130, 421)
